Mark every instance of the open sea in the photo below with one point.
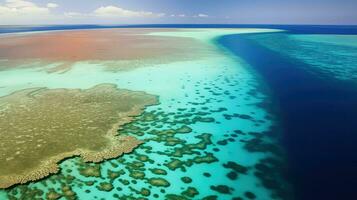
(268, 115)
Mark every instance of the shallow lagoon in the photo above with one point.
(217, 96)
(326, 55)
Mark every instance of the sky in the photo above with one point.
(38, 12)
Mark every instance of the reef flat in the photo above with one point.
(211, 137)
(40, 127)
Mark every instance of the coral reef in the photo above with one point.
(40, 127)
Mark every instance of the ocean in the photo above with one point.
(316, 104)
(266, 115)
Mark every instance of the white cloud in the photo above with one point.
(178, 15)
(18, 8)
(74, 14)
(202, 15)
(52, 5)
(19, 4)
(114, 11)
(21, 12)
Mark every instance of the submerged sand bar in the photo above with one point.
(40, 127)
(64, 48)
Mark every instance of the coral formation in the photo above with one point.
(40, 127)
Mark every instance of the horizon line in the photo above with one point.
(196, 24)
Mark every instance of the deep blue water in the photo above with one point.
(317, 115)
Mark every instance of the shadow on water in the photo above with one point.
(318, 116)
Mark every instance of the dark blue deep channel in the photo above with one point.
(318, 118)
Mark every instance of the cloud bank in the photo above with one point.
(24, 12)
(114, 11)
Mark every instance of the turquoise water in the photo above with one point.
(213, 125)
(327, 55)
(312, 81)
